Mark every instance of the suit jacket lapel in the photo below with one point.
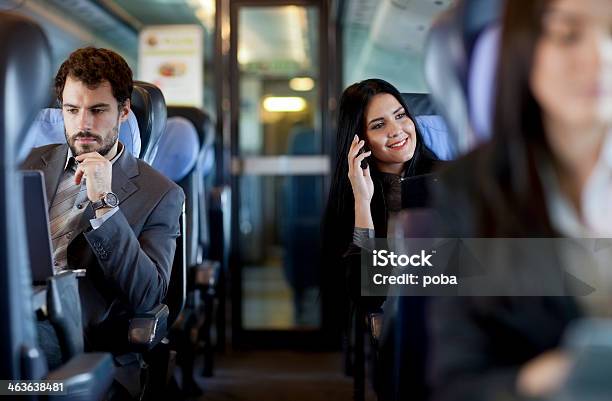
(123, 170)
(52, 168)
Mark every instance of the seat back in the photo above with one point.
(449, 60)
(204, 172)
(177, 157)
(25, 66)
(445, 70)
(481, 81)
(48, 128)
(302, 208)
(149, 107)
(64, 310)
(433, 128)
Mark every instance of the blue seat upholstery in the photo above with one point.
(178, 149)
(434, 129)
(481, 81)
(177, 158)
(436, 136)
(302, 209)
(449, 58)
(205, 251)
(48, 128)
(208, 235)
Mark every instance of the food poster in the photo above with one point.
(171, 57)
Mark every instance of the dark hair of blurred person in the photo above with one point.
(549, 94)
(551, 138)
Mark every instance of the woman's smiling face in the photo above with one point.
(390, 133)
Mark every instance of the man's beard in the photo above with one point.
(104, 148)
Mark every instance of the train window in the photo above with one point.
(385, 40)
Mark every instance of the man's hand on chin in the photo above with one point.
(98, 172)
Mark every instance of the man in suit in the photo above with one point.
(110, 213)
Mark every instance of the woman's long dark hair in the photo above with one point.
(510, 182)
(339, 217)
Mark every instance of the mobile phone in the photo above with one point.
(364, 162)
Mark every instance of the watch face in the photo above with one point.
(111, 199)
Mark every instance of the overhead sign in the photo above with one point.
(171, 57)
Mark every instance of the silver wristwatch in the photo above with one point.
(108, 199)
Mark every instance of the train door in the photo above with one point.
(279, 166)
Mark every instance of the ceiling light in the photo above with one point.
(301, 84)
(284, 104)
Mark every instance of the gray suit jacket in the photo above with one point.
(129, 258)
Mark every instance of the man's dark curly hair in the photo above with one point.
(92, 66)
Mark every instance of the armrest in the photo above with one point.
(39, 297)
(86, 377)
(375, 323)
(205, 274)
(148, 329)
(219, 196)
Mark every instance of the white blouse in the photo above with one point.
(587, 254)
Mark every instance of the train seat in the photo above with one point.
(178, 158)
(206, 168)
(179, 147)
(449, 61)
(214, 228)
(25, 62)
(481, 80)
(434, 129)
(436, 136)
(302, 208)
(149, 106)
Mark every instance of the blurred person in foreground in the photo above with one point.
(547, 173)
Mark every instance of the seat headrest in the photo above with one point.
(419, 104)
(481, 81)
(149, 107)
(445, 71)
(436, 136)
(477, 16)
(48, 128)
(434, 130)
(178, 149)
(201, 120)
(205, 127)
(25, 73)
(454, 69)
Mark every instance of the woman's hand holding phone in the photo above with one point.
(361, 181)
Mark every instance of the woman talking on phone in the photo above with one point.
(378, 144)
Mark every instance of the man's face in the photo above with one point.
(91, 117)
